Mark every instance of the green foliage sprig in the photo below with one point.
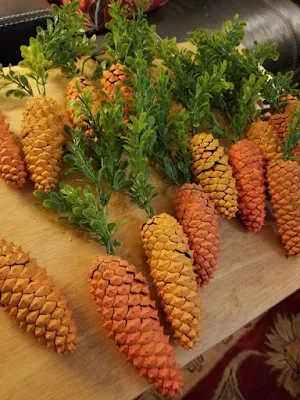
(215, 46)
(101, 164)
(277, 86)
(127, 37)
(194, 87)
(142, 136)
(292, 138)
(244, 108)
(170, 150)
(80, 208)
(64, 40)
(35, 60)
(15, 78)
(108, 126)
(60, 45)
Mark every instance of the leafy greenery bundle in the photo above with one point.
(216, 73)
(60, 45)
(64, 41)
(245, 111)
(101, 164)
(129, 36)
(212, 47)
(194, 87)
(170, 150)
(142, 135)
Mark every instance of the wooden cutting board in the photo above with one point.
(253, 275)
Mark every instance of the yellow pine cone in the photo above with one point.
(196, 214)
(284, 188)
(42, 140)
(266, 138)
(210, 168)
(72, 94)
(12, 167)
(127, 311)
(171, 265)
(29, 296)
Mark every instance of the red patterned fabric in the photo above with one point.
(262, 365)
(98, 10)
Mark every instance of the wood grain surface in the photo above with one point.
(253, 275)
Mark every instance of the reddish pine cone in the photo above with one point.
(211, 170)
(127, 311)
(42, 140)
(248, 169)
(284, 188)
(266, 138)
(12, 167)
(31, 298)
(171, 265)
(72, 94)
(196, 214)
(281, 120)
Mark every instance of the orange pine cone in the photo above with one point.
(31, 298)
(72, 94)
(284, 117)
(196, 214)
(284, 188)
(266, 138)
(115, 76)
(12, 167)
(247, 163)
(127, 311)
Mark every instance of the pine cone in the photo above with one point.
(12, 167)
(72, 94)
(211, 170)
(196, 214)
(266, 138)
(116, 76)
(246, 160)
(127, 311)
(281, 120)
(171, 265)
(31, 297)
(284, 188)
(42, 140)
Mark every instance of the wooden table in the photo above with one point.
(253, 275)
